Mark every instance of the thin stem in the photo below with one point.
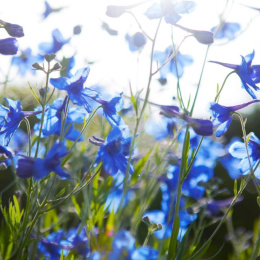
(198, 87)
(43, 109)
(224, 82)
(256, 246)
(29, 135)
(62, 133)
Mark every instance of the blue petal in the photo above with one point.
(144, 253)
(238, 150)
(81, 75)
(60, 83)
(223, 127)
(154, 11)
(185, 7)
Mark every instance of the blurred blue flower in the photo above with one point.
(136, 42)
(227, 31)
(49, 10)
(74, 87)
(181, 60)
(64, 242)
(161, 128)
(114, 151)
(8, 46)
(238, 150)
(6, 157)
(171, 10)
(248, 73)
(222, 115)
(165, 216)
(52, 123)
(202, 127)
(13, 30)
(124, 249)
(25, 60)
(39, 168)
(56, 45)
(116, 11)
(11, 118)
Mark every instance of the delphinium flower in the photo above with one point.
(13, 30)
(180, 60)
(6, 157)
(74, 87)
(124, 248)
(52, 123)
(136, 42)
(161, 128)
(111, 109)
(222, 115)
(238, 150)
(11, 118)
(56, 45)
(64, 242)
(248, 73)
(49, 10)
(171, 10)
(226, 31)
(165, 216)
(114, 151)
(8, 46)
(202, 127)
(25, 60)
(39, 168)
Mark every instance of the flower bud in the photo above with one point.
(37, 66)
(8, 46)
(56, 66)
(49, 57)
(77, 30)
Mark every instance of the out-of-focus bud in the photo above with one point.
(56, 66)
(49, 57)
(37, 66)
(77, 30)
(13, 30)
(8, 46)
(42, 92)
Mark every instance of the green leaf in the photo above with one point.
(76, 205)
(248, 137)
(235, 187)
(200, 253)
(34, 94)
(60, 193)
(258, 200)
(140, 165)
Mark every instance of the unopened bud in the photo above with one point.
(49, 57)
(37, 66)
(56, 66)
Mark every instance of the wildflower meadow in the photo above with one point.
(129, 130)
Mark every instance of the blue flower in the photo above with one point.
(11, 118)
(6, 157)
(162, 128)
(53, 120)
(124, 248)
(39, 168)
(114, 151)
(165, 216)
(248, 73)
(8, 46)
(116, 11)
(25, 60)
(238, 150)
(182, 60)
(170, 10)
(56, 45)
(227, 31)
(202, 127)
(49, 10)
(74, 87)
(64, 242)
(13, 30)
(111, 109)
(136, 42)
(222, 116)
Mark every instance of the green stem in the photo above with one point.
(62, 132)
(29, 135)
(256, 246)
(43, 109)
(217, 96)
(198, 87)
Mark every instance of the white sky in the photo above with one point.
(116, 66)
